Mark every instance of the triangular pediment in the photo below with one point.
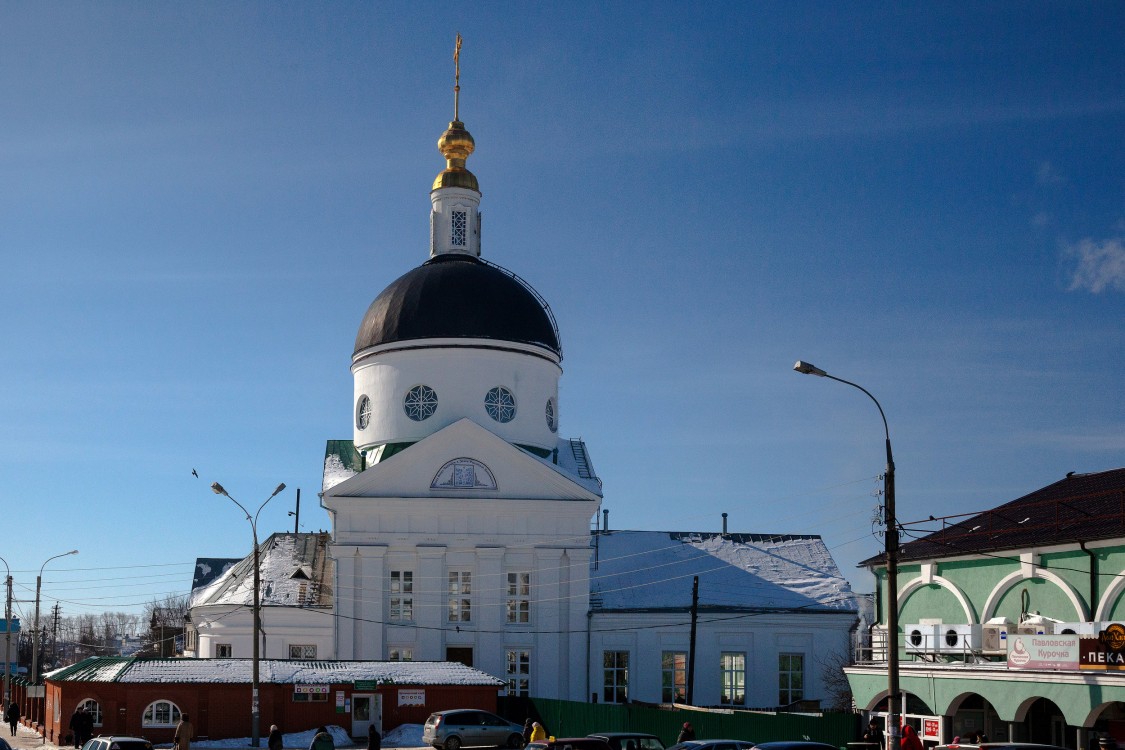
(463, 460)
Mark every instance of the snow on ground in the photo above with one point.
(404, 735)
(299, 740)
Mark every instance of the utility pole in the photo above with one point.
(8, 638)
(55, 635)
(691, 643)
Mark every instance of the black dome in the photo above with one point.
(458, 296)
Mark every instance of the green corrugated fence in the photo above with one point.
(574, 719)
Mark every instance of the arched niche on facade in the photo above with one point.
(914, 704)
(1110, 711)
(1039, 577)
(942, 587)
(973, 701)
(1048, 707)
(1108, 606)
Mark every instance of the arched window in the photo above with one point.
(161, 714)
(94, 709)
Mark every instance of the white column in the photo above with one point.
(547, 607)
(429, 603)
(489, 597)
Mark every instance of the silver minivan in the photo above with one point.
(451, 730)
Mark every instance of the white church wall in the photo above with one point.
(461, 375)
(282, 627)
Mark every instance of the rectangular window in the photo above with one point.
(519, 673)
(223, 650)
(317, 697)
(398, 653)
(673, 677)
(299, 651)
(460, 221)
(732, 668)
(790, 678)
(460, 592)
(519, 598)
(402, 595)
(615, 676)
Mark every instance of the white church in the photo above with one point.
(465, 528)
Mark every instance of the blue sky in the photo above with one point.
(200, 200)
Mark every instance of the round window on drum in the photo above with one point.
(420, 403)
(500, 404)
(552, 415)
(363, 412)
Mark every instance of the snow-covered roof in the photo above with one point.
(295, 570)
(275, 671)
(647, 570)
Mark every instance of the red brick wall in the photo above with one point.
(220, 711)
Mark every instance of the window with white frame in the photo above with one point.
(615, 676)
(460, 596)
(400, 653)
(302, 651)
(161, 714)
(732, 669)
(93, 708)
(519, 672)
(790, 678)
(519, 598)
(673, 676)
(223, 650)
(310, 693)
(402, 595)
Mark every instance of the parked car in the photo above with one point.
(450, 730)
(795, 745)
(716, 745)
(630, 740)
(115, 742)
(998, 746)
(569, 743)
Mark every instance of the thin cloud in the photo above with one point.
(1047, 175)
(1101, 265)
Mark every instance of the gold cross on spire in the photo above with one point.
(457, 79)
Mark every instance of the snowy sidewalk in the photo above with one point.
(25, 739)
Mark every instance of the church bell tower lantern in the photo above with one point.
(455, 220)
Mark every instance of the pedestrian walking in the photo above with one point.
(526, 731)
(374, 739)
(12, 716)
(538, 732)
(322, 740)
(687, 734)
(274, 742)
(185, 733)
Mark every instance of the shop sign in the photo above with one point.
(1043, 651)
(931, 729)
(311, 689)
(411, 697)
(365, 685)
(341, 703)
(1107, 651)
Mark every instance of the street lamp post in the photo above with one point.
(255, 736)
(35, 639)
(890, 547)
(7, 634)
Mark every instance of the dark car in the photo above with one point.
(569, 743)
(716, 745)
(630, 740)
(117, 743)
(795, 745)
(450, 730)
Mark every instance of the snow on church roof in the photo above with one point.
(275, 671)
(646, 570)
(295, 571)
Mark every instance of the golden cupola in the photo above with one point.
(455, 145)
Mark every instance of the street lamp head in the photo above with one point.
(280, 487)
(73, 552)
(807, 368)
(218, 489)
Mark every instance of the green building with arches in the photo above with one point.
(1045, 569)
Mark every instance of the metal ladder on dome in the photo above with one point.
(581, 460)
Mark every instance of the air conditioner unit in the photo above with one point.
(1081, 629)
(1036, 628)
(959, 639)
(994, 639)
(921, 639)
(878, 643)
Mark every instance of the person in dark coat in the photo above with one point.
(874, 734)
(274, 742)
(374, 740)
(526, 732)
(322, 741)
(86, 727)
(687, 734)
(76, 727)
(12, 716)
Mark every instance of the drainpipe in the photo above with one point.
(589, 620)
(1093, 580)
